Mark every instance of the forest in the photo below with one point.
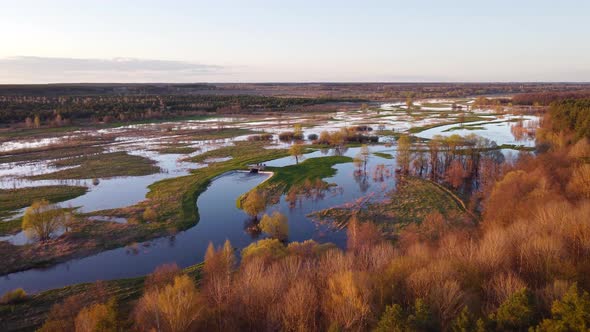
(36, 111)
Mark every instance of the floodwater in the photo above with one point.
(498, 131)
(220, 219)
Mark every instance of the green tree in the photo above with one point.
(392, 320)
(275, 225)
(465, 322)
(516, 313)
(98, 318)
(421, 319)
(254, 203)
(297, 132)
(571, 313)
(404, 156)
(37, 121)
(42, 219)
(267, 248)
(296, 151)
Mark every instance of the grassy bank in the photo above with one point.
(284, 178)
(413, 199)
(466, 120)
(14, 199)
(172, 200)
(310, 169)
(30, 314)
(102, 166)
(383, 155)
(175, 198)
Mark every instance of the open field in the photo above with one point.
(101, 166)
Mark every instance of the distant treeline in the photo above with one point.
(372, 91)
(99, 89)
(107, 108)
(546, 98)
(571, 115)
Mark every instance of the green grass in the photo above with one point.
(413, 199)
(475, 127)
(436, 105)
(210, 134)
(14, 199)
(102, 166)
(22, 132)
(177, 150)
(383, 155)
(176, 197)
(54, 153)
(30, 314)
(286, 177)
(10, 226)
(471, 118)
(173, 200)
(314, 168)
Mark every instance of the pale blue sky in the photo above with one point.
(284, 41)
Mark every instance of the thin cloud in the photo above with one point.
(48, 69)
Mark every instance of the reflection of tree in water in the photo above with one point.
(382, 173)
(524, 129)
(315, 191)
(251, 227)
(361, 178)
(340, 150)
(172, 241)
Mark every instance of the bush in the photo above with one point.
(516, 313)
(312, 137)
(571, 313)
(260, 138)
(162, 276)
(98, 317)
(266, 248)
(287, 136)
(176, 307)
(14, 296)
(254, 203)
(275, 225)
(149, 214)
(43, 219)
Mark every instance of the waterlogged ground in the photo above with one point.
(170, 144)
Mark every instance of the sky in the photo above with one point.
(62, 41)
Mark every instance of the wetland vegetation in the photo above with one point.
(400, 206)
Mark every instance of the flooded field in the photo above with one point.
(173, 146)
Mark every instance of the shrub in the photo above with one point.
(14, 296)
(149, 214)
(392, 320)
(162, 276)
(176, 307)
(266, 248)
(42, 219)
(347, 302)
(299, 310)
(98, 317)
(254, 203)
(260, 138)
(275, 225)
(571, 313)
(312, 137)
(516, 313)
(287, 136)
